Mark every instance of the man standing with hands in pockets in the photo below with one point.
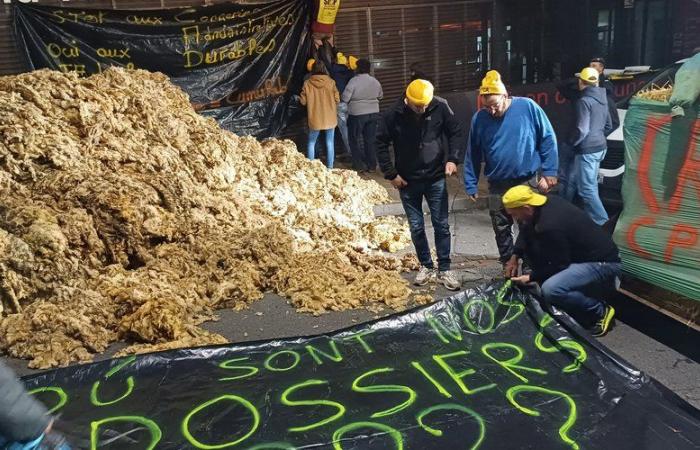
(517, 142)
(415, 126)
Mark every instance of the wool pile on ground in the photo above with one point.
(125, 215)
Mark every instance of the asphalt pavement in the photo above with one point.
(657, 345)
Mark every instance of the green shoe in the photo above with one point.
(605, 323)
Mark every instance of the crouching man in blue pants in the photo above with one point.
(573, 260)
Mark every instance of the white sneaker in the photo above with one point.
(450, 280)
(424, 276)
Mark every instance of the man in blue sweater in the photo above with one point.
(517, 142)
(588, 140)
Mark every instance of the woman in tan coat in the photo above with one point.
(321, 98)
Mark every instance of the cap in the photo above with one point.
(521, 196)
(589, 74)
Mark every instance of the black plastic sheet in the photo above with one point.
(239, 63)
(487, 368)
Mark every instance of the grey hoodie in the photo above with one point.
(593, 121)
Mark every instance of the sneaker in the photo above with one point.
(605, 323)
(424, 276)
(449, 279)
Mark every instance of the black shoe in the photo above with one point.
(605, 323)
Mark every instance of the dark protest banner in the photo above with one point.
(487, 368)
(239, 63)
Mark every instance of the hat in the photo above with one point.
(341, 59)
(598, 60)
(521, 196)
(420, 92)
(492, 84)
(310, 65)
(352, 63)
(589, 75)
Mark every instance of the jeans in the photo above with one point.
(501, 221)
(578, 290)
(343, 125)
(363, 128)
(582, 179)
(330, 149)
(435, 193)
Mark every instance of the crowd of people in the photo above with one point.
(563, 249)
(533, 177)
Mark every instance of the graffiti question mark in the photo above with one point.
(571, 419)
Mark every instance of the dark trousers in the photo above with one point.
(435, 194)
(501, 221)
(363, 129)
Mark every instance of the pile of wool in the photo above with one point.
(125, 215)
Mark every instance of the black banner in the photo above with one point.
(487, 368)
(239, 63)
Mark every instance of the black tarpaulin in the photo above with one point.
(239, 63)
(487, 368)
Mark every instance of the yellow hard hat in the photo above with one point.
(310, 65)
(420, 92)
(492, 84)
(352, 63)
(342, 59)
(519, 196)
(589, 74)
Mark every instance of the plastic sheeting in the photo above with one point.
(658, 231)
(486, 368)
(239, 63)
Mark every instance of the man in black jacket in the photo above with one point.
(572, 259)
(416, 126)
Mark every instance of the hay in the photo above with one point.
(125, 215)
(656, 93)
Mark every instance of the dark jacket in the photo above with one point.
(22, 418)
(419, 150)
(569, 90)
(593, 122)
(559, 235)
(341, 75)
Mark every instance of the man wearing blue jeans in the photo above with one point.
(573, 260)
(589, 144)
(416, 127)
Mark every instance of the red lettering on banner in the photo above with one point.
(632, 235)
(689, 174)
(559, 99)
(682, 236)
(653, 126)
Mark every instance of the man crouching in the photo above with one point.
(572, 259)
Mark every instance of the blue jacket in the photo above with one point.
(341, 75)
(593, 121)
(517, 145)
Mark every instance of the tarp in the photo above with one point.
(658, 231)
(486, 368)
(239, 63)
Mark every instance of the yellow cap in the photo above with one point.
(589, 74)
(352, 63)
(420, 92)
(342, 60)
(492, 84)
(310, 64)
(521, 196)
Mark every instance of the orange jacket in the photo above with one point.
(321, 98)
